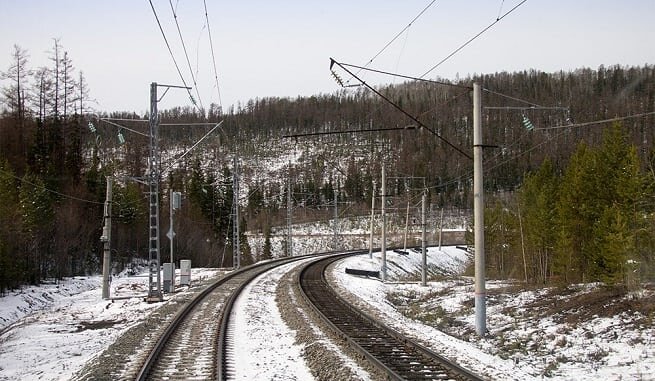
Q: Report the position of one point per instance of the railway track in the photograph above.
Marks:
(392, 353)
(193, 346)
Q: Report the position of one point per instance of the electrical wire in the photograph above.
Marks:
(396, 36)
(603, 121)
(211, 45)
(419, 79)
(512, 98)
(170, 51)
(51, 190)
(410, 116)
(472, 39)
(179, 32)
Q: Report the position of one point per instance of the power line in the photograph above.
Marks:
(170, 51)
(532, 104)
(51, 190)
(603, 121)
(363, 68)
(211, 45)
(472, 38)
(396, 106)
(193, 78)
(398, 35)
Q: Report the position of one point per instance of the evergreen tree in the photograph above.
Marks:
(37, 214)
(615, 242)
(577, 210)
(266, 252)
(9, 228)
(537, 199)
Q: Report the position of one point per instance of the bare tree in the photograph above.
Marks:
(42, 86)
(15, 95)
(55, 90)
(83, 94)
(68, 95)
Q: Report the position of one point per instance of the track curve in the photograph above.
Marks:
(193, 345)
(397, 356)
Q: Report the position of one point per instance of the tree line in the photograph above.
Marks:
(55, 158)
(590, 221)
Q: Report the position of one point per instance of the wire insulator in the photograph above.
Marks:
(337, 78)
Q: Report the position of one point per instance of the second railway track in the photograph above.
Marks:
(193, 345)
(395, 355)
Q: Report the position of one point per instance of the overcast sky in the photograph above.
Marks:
(282, 48)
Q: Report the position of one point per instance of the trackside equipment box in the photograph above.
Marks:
(185, 272)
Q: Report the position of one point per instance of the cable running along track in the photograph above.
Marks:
(397, 356)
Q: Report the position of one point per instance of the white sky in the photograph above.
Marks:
(282, 48)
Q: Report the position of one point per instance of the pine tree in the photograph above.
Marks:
(266, 252)
(576, 214)
(9, 228)
(614, 241)
(538, 198)
(37, 214)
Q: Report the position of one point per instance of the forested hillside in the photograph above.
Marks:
(53, 165)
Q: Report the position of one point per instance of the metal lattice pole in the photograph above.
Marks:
(154, 275)
(236, 259)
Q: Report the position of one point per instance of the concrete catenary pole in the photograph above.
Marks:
(440, 227)
(171, 232)
(384, 227)
(106, 240)
(370, 247)
(289, 236)
(478, 214)
(336, 217)
(423, 243)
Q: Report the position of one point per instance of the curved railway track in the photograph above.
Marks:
(196, 342)
(193, 346)
(392, 353)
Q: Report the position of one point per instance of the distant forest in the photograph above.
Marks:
(55, 156)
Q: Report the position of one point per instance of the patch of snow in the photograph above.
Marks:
(50, 331)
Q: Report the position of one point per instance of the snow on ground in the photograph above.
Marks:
(49, 332)
(523, 343)
(264, 347)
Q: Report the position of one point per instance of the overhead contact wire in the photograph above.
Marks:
(170, 51)
(396, 36)
(211, 45)
(186, 55)
(472, 39)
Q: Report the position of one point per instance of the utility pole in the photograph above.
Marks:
(440, 227)
(236, 259)
(336, 216)
(478, 214)
(384, 227)
(174, 201)
(406, 224)
(423, 250)
(370, 247)
(154, 288)
(289, 236)
(106, 240)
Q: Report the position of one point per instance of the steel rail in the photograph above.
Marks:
(392, 371)
(183, 313)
